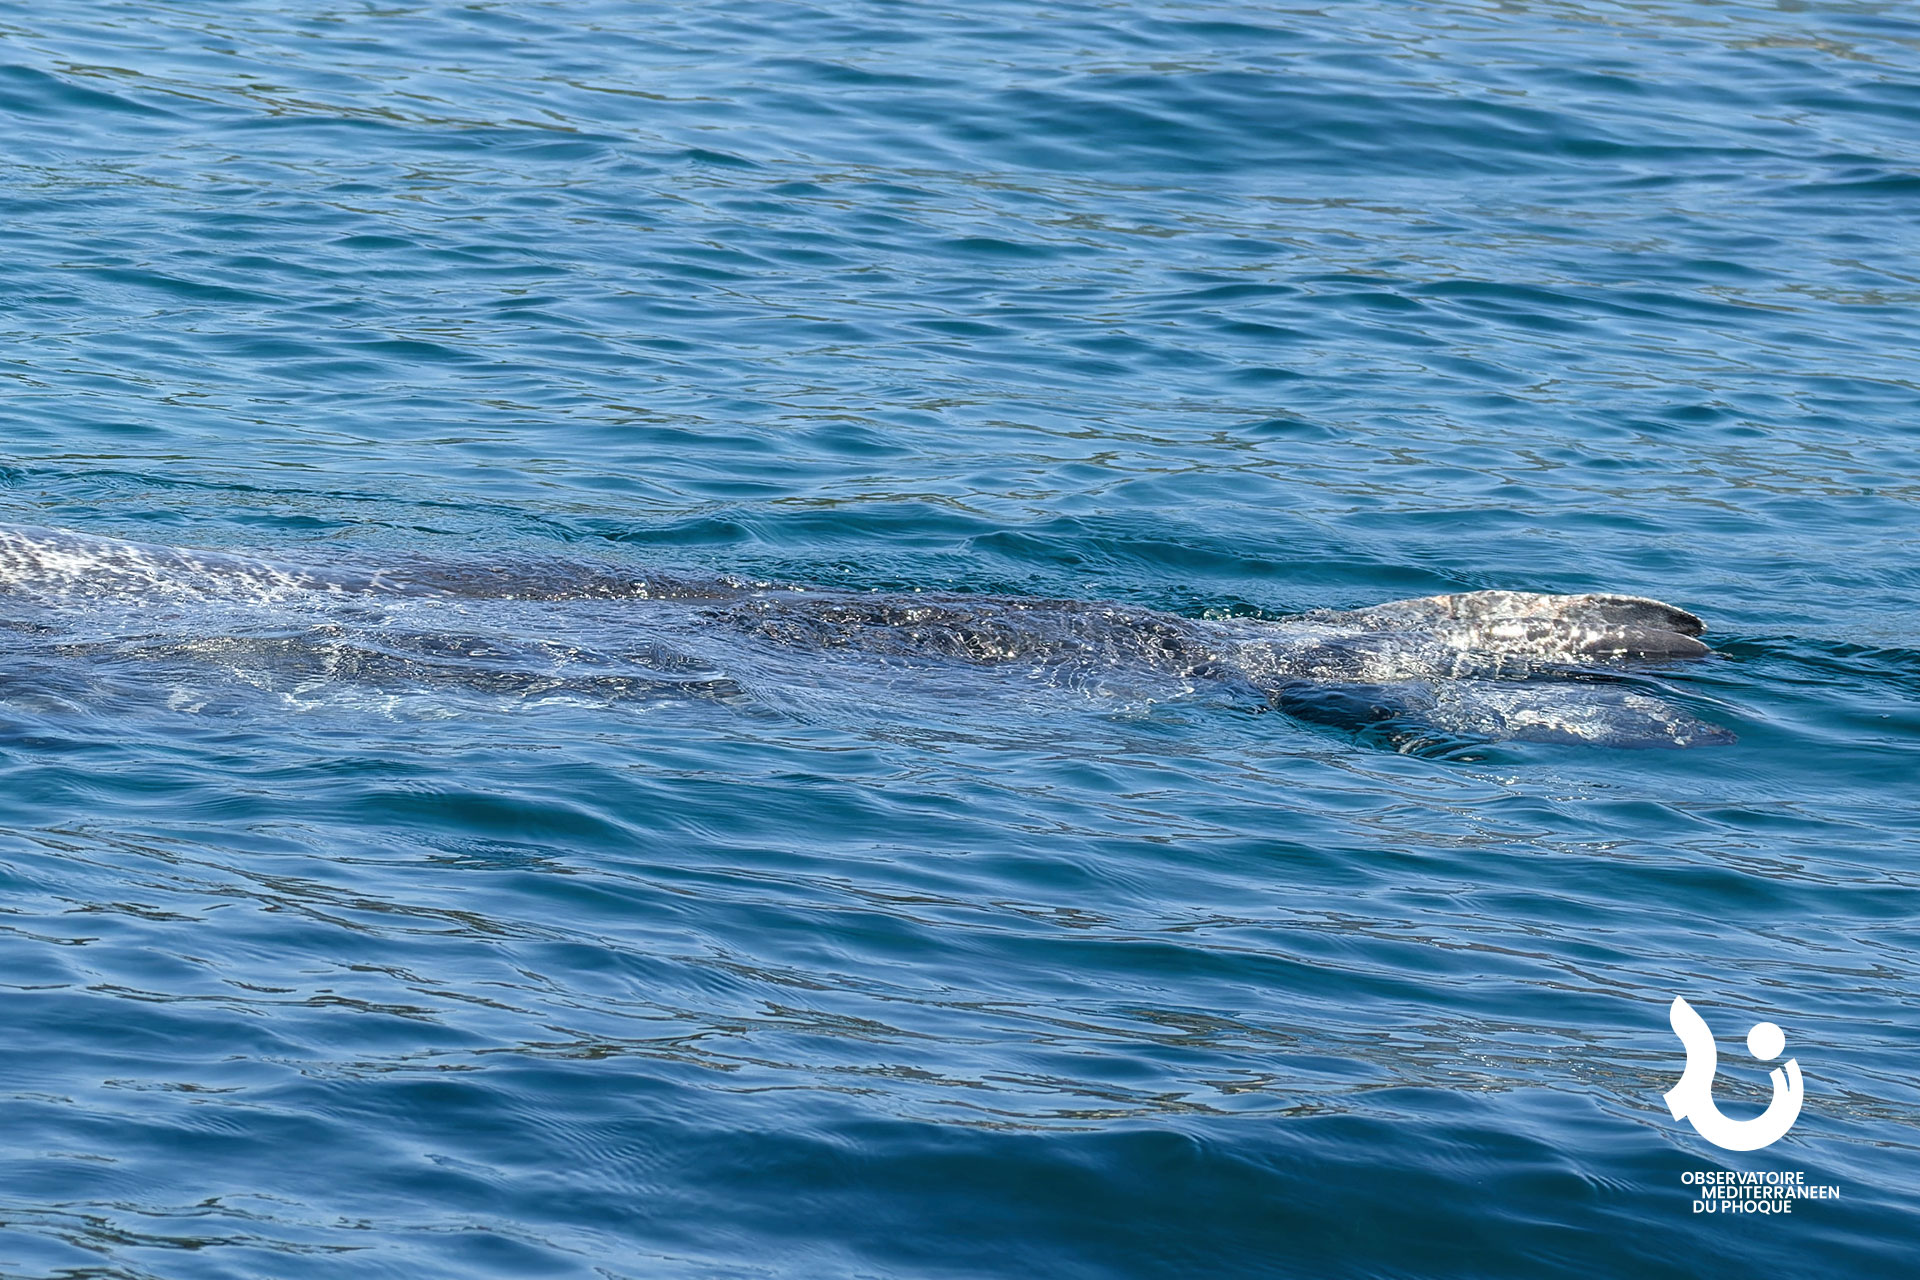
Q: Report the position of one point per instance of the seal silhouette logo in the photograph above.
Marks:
(1692, 1099)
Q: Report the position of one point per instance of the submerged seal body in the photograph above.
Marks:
(1475, 666)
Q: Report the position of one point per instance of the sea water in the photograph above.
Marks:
(333, 954)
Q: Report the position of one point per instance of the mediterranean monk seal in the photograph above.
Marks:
(1475, 666)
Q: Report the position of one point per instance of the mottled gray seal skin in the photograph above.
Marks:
(56, 565)
(1477, 666)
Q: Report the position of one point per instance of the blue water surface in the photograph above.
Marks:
(870, 969)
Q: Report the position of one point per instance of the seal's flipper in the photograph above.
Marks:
(1538, 625)
(1569, 712)
(1422, 717)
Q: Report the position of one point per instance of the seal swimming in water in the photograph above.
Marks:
(1479, 666)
